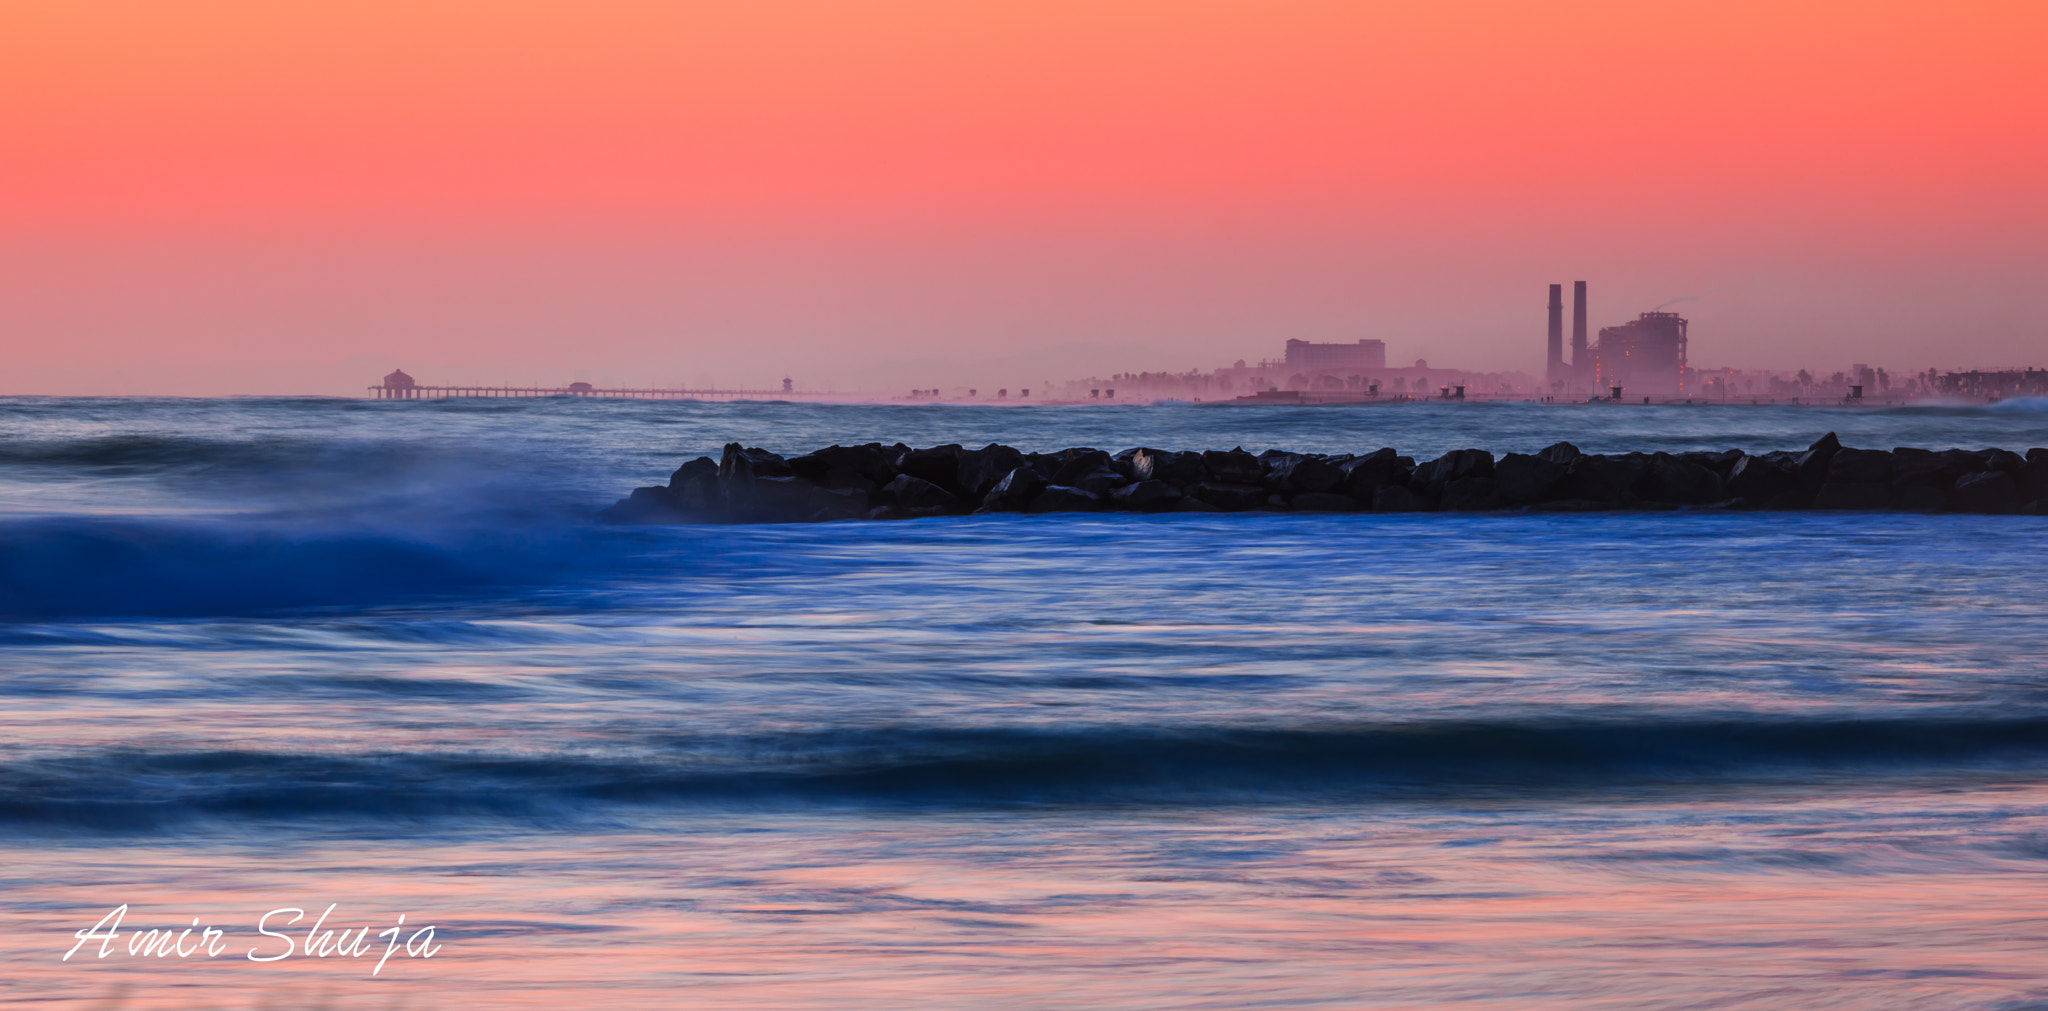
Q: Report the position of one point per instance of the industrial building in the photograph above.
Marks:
(1304, 356)
(1645, 356)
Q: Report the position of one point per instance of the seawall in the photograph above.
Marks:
(874, 481)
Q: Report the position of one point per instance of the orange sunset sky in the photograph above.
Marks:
(253, 196)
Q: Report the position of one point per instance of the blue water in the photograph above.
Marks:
(258, 653)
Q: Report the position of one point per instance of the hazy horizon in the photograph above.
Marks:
(230, 198)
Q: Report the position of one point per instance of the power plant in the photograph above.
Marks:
(1644, 356)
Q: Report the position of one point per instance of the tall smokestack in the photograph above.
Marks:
(1553, 367)
(1582, 363)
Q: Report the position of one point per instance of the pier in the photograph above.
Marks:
(399, 386)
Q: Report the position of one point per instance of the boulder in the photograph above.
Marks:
(911, 493)
(1813, 464)
(1788, 501)
(1098, 482)
(1235, 467)
(1075, 463)
(1145, 496)
(1059, 498)
(701, 469)
(1014, 492)
(1522, 478)
(1610, 479)
(1853, 494)
(1759, 479)
(645, 505)
(2033, 478)
(938, 466)
(828, 504)
(740, 464)
(862, 467)
(1394, 498)
(1455, 465)
(2003, 460)
(1919, 498)
(1324, 502)
(1181, 470)
(982, 468)
(1675, 481)
(695, 488)
(1363, 475)
(1471, 494)
(1560, 453)
(1305, 473)
(1230, 497)
(1860, 466)
(1922, 467)
(1991, 491)
(1191, 504)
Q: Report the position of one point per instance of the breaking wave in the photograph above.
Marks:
(142, 791)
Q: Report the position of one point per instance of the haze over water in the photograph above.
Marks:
(265, 653)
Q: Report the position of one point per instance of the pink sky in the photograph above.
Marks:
(227, 196)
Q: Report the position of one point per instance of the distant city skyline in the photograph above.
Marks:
(217, 198)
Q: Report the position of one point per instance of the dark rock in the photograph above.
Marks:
(1919, 498)
(2038, 507)
(1146, 496)
(1277, 504)
(1813, 464)
(2004, 461)
(1680, 482)
(1059, 498)
(1560, 453)
(1860, 466)
(1455, 465)
(696, 489)
(1015, 491)
(829, 504)
(1611, 479)
(1191, 504)
(1182, 470)
(1324, 502)
(1785, 501)
(1363, 475)
(1305, 473)
(1230, 497)
(741, 464)
(1100, 481)
(1394, 498)
(980, 469)
(1760, 478)
(1720, 463)
(1142, 462)
(1523, 479)
(1471, 494)
(1571, 505)
(862, 467)
(1075, 463)
(910, 492)
(1912, 467)
(1992, 491)
(1234, 467)
(2033, 478)
(938, 466)
(1853, 494)
(701, 469)
(886, 512)
(646, 505)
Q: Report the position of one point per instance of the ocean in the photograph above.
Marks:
(294, 654)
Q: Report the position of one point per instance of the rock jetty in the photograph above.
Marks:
(880, 482)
